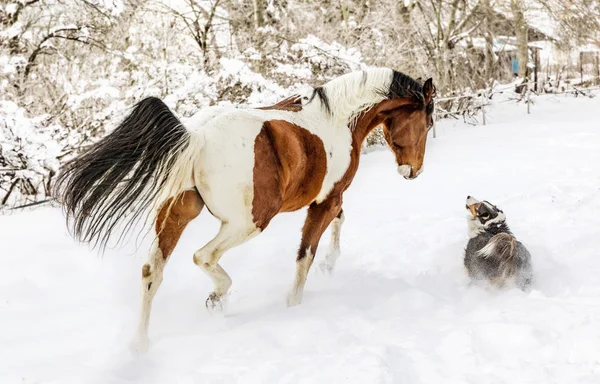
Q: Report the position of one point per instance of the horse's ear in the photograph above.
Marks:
(428, 90)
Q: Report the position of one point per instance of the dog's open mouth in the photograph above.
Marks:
(472, 205)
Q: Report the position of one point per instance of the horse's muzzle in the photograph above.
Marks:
(407, 171)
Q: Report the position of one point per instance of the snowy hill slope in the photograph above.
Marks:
(398, 309)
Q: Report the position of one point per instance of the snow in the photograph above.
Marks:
(116, 7)
(591, 47)
(497, 46)
(321, 52)
(539, 17)
(10, 9)
(397, 310)
(27, 142)
(14, 30)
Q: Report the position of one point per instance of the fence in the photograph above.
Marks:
(469, 106)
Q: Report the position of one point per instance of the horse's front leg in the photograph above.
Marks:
(318, 218)
(333, 253)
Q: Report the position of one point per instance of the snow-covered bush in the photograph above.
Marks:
(29, 155)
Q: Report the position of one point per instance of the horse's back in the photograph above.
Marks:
(203, 117)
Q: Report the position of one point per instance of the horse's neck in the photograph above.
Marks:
(355, 92)
(366, 122)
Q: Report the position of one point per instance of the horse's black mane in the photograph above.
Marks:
(403, 85)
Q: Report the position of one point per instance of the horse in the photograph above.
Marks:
(245, 165)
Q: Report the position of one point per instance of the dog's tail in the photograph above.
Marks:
(148, 158)
(502, 248)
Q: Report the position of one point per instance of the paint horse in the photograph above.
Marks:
(245, 166)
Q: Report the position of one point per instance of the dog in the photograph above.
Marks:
(493, 254)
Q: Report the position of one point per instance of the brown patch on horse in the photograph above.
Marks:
(291, 104)
(174, 216)
(317, 220)
(289, 167)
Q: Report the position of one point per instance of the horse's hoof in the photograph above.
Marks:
(326, 268)
(139, 346)
(214, 302)
(293, 299)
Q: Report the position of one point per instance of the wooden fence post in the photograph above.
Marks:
(483, 107)
(528, 97)
(581, 67)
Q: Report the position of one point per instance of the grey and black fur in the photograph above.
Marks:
(493, 254)
(122, 174)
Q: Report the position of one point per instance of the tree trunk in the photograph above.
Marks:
(597, 68)
(259, 35)
(489, 45)
(259, 13)
(521, 30)
(536, 63)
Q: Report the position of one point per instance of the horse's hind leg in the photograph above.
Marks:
(230, 235)
(170, 223)
(333, 253)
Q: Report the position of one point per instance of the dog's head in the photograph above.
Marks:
(482, 215)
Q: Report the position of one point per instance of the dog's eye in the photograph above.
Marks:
(485, 216)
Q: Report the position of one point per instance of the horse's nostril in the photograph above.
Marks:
(405, 170)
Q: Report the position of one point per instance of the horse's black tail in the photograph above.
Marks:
(148, 157)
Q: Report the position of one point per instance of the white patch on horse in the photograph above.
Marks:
(404, 170)
(152, 276)
(333, 253)
(352, 93)
(297, 291)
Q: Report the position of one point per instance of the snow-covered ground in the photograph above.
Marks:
(397, 310)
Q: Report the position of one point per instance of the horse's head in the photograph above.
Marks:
(406, 122)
